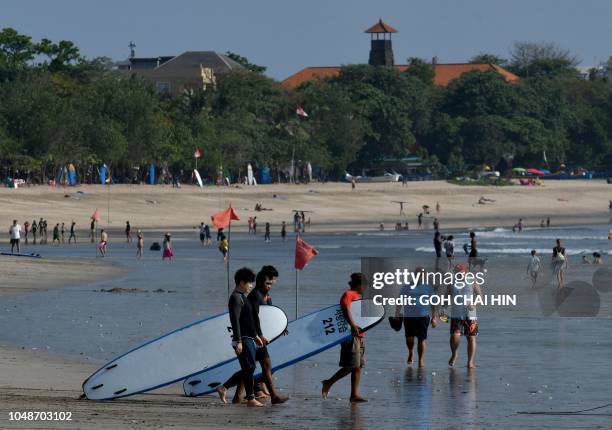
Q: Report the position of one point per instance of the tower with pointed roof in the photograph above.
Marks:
(381, 51)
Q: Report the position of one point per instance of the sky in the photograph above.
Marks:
(286, 36)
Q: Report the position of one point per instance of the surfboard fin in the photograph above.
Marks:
(97, 386)
(112, 366)
(120, 391)
(196, 382)
(214, 384)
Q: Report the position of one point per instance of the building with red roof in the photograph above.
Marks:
(381, 54)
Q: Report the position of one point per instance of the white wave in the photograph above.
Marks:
(493, 234)
(526, 251)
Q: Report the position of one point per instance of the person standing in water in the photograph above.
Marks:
(267, 233)
(72, 233)
(244, 327)
(559, 262)
(449, 250)
(167, 247)
(63, 233)
(534, 267)
(92, 230)
(473, 255)
(56, 234)
(128, 232)
(34, 230)
(139, 244)
(224, 247)
(284, 231)
(202, 234)
(103, 243)
(352, 351)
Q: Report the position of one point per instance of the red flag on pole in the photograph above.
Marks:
(96, 216)
(301, 112)
(303, 253)
(197, 153)
(222, 219)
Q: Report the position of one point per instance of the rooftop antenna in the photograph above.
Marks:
(132, 47)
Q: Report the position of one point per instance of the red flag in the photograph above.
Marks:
(96, 215)
(197, 153)
(222, 219)
(303, 253)
(301, 112)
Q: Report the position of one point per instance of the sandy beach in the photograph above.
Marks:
(334, 206)
(35, 380)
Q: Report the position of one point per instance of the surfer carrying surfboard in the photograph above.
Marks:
(246, 330)
(264, 386)
(352, 351)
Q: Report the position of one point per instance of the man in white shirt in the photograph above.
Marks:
(15, 233)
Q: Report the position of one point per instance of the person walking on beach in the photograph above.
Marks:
(264, 387)
(352, 351)
(417, 317)
(560, 263)
(207, 234)
(267, 238)
(519, 225)
(139, 244)
(245, 335)
(220, 234)
(534, 267)
(547, 222)
(167, 247)
(436, 224)
(250, 224)
(26, 230)
(103, 242)
(437, 207)
(449, 250)
(420, 221)
(463, 316)
(34, 230)
(63, 232)
(284, 231)
(72, 232)
(15, 236)
(56, 235)
(254, 225)
(128, 232)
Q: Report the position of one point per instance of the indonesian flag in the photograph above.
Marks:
(224, 218)
(303, 253)
(301, 112)
(197, 153)
(96, 215)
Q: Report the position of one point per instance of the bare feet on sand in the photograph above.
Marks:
(222, 391)
(358, 399)
(325, 388)
(254, 404)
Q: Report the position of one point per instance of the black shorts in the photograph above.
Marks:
(14, 242)
(261, 354)
(202, 237)
(352, 353)
(416, 327)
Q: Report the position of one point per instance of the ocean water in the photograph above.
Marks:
(529, 358)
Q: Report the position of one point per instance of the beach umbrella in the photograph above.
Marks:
(519, 170)
(535, 172)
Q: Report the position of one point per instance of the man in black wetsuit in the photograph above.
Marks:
(246, 332)
(266, 278)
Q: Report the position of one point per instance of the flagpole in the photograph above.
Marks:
(297, 275)
(229, 234)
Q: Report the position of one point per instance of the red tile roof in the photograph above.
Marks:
(381, 27)
(445, 73)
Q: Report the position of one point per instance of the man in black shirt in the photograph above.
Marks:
(266, 278)
(246, 331)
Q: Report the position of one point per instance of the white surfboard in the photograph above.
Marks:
(308, 335)
(175, 356)
(250, 178)
(198, 178)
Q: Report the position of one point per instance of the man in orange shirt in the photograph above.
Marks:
(352, 351)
